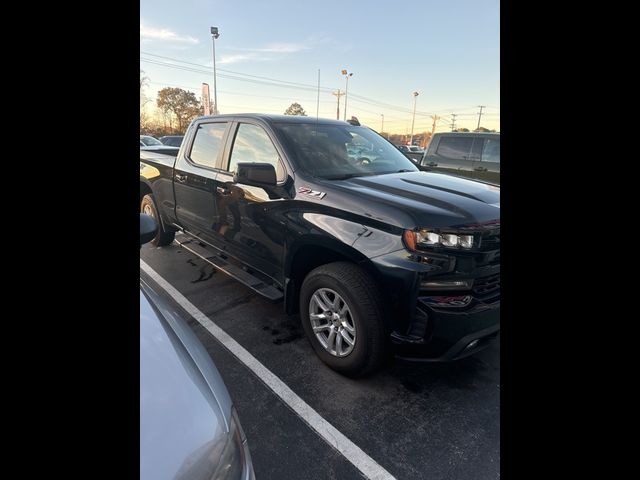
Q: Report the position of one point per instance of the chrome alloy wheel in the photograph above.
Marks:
(148, 210)
(332, 322)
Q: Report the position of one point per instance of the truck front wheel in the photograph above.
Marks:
(148, 206)
(342, 315)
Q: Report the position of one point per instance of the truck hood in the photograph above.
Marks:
(414, 199)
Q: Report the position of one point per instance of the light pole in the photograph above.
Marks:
(415, 97)
(382, 128)
(346, 92)
(214, 35)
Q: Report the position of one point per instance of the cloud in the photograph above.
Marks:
(275, 48)
(242, 57)
(283, 48)
(150, 33)
(258, 54)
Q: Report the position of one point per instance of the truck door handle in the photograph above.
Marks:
(180, 178)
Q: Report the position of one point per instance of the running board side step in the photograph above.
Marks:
(235, 272)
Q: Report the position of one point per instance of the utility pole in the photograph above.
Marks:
(338, 94)
(433, 127)
(415, 98)
(382, 127)
(453, 122)
(480, 115)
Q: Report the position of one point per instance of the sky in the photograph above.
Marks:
(447, 51)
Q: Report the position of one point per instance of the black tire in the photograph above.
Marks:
(163, 237)
(360, 292)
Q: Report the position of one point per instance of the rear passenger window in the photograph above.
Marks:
(491, 151)
(457, 148)
(476, 149)
(207, 144)
(252, 144)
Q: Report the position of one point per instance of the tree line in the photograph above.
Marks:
(178, 107)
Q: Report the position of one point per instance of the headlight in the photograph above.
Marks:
(235, 457)
(427, 238)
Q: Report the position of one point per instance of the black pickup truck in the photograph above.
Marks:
(376, 256)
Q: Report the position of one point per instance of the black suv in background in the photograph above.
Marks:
(470, 155)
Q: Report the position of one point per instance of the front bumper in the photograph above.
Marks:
(463, 327)
(442, 325)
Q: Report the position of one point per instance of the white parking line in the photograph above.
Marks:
(363, 462)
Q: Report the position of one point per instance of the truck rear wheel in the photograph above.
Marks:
(148, 206)
(342, 315)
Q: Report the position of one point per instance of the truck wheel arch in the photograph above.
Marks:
(145, 188)
(306, 256)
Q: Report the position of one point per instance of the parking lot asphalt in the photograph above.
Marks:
(418, 421)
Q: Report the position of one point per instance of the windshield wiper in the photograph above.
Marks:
(402, 170)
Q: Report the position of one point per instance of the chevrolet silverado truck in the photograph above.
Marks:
(376, 257)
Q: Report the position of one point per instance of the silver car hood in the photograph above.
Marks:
(185, 408)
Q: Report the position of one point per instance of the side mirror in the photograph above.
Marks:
(148, 228)
(256, 174)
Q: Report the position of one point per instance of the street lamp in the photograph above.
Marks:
(415, 98)
(214, 35)
(346, 92)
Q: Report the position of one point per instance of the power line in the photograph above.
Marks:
(295, 84)
(232, 77)
(277, 82)
(191, 87)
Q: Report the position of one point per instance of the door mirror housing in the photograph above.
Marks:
(256, 174)
(148, 228)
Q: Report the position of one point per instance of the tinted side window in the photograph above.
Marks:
(491, 151)
(455, 147)
(476, 149)
(207, 144)
(252, 144)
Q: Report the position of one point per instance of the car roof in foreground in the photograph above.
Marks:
(276, 118)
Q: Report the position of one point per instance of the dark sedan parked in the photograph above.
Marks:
(149, 143)
(172, 140)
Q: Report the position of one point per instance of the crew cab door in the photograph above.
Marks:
(455, 153)
(250, 223)
(490, 162)
(194, 178)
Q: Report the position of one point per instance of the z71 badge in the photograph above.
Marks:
(311, 193)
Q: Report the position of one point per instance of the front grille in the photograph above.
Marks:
(490, 243)
(487, 285)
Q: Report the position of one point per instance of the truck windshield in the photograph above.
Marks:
(342, 151)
